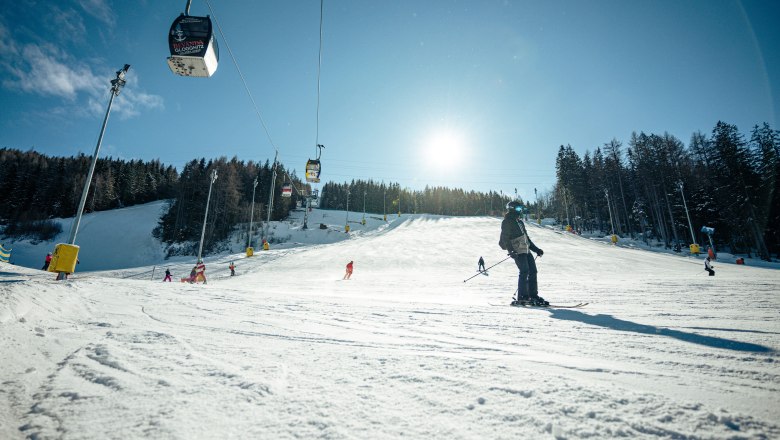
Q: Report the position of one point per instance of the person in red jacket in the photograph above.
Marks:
(48, 261)
(348, 275)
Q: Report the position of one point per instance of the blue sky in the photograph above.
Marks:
(473, 94)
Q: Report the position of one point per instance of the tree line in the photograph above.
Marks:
(35, 187)
(231, 201)
(381, 198)
(726, 181)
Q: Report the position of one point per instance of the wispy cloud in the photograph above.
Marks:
(67, 22)
(45, 70)
(100, 10)
(132, 100)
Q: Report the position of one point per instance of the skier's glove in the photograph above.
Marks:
(513, 254)
(540, 253)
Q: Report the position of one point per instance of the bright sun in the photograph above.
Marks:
(444, 150)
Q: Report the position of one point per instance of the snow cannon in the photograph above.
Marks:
(64, 258)
(614, 239)
(266, 246)
(695, 249)
(250, 251)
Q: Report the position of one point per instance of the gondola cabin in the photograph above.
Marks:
(194, 50)
(313, 170)
(286, 190)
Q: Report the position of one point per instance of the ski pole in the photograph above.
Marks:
(479, 273)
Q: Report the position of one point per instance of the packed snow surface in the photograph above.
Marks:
(287, 349)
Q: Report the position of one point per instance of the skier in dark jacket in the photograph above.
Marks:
(708, 266)
(514, 239)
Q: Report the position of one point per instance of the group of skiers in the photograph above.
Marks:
(198, 273)
(514, 239)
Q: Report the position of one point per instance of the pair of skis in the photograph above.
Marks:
(529, 306)
(549, 306)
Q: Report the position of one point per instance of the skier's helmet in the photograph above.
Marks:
(514, 206)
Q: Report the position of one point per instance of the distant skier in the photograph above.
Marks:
(481, 265)
(232, 268)
(348, 275)
(708, 266)
(200, 269)
(514, 238)
(47, 262)
(167, 276)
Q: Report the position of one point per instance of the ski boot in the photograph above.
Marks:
(539, 301)
(524, 301)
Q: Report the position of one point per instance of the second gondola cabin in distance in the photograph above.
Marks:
(194, 50)
(313, 167)
(313, 170)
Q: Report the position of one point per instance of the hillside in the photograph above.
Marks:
(286, 349)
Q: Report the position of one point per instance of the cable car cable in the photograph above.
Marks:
(252, 99)
(241, 75)
(319, 70)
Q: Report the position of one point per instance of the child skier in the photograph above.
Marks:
(193, 276)
(47, 262)
(167, 276)
(348, 275)
(481, 265)
(200, 268)
(708, 267)
(232, 268)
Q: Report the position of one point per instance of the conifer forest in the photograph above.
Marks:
(724, 180)
(651, 187)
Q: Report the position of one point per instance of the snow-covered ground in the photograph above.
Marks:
(286, 349)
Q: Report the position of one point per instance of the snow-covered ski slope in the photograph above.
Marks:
(286, 349)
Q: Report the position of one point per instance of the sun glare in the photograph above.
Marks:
(444, 149)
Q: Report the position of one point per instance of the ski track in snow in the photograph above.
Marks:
(405, 348)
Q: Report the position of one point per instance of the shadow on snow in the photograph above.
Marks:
(609, 321)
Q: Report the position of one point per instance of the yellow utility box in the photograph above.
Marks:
(568, 228)
(64, 258)
(695, 249)
(266, 246)
(250, 251)
(614, 239)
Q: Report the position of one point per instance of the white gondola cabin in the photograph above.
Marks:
(194, 50)
(286, 190)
